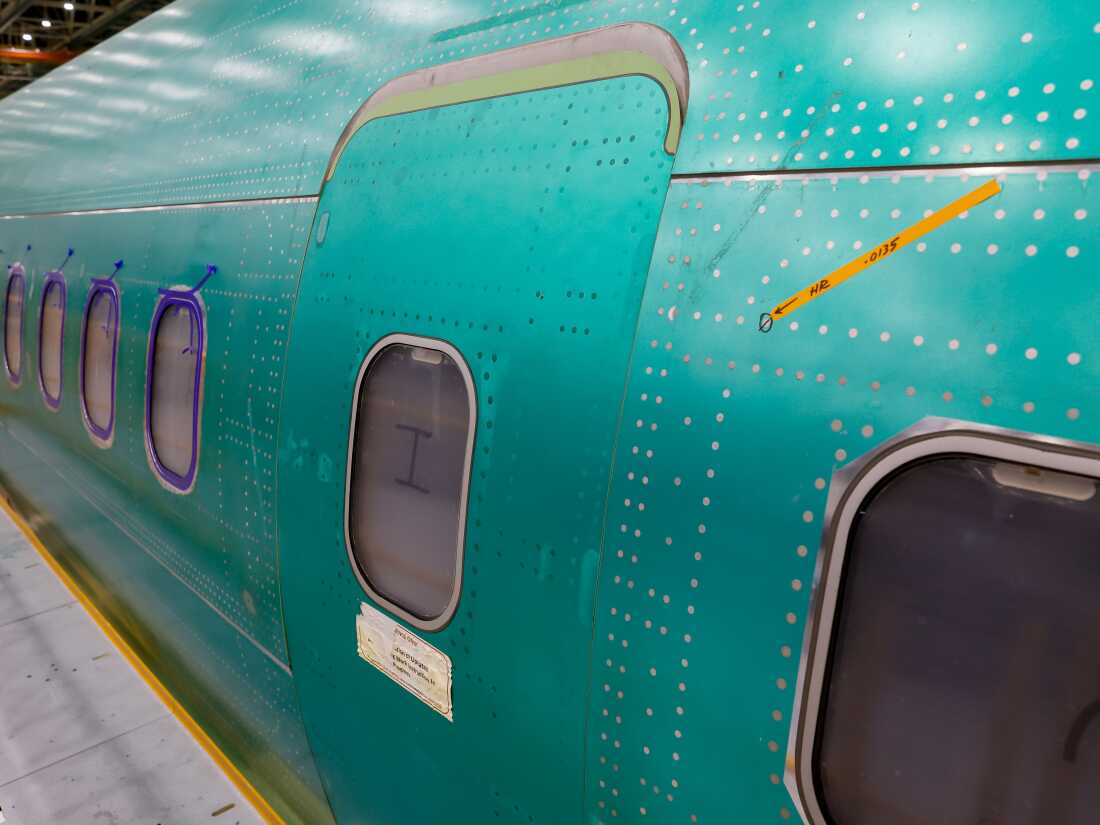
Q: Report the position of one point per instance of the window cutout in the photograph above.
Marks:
(51, 338)
(173, 388)
(409, 467)
(962, 683)
(99, 360)
(14, 299)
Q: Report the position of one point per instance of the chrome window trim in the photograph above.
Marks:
(448, 349)
(849, 488)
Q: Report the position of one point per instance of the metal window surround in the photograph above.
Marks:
(101, 436)
(443, 619)
(177, 296)
(17, 278)
(54, 279)
(849, 488)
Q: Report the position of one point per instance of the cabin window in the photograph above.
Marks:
(51, 338)
(13, 324)
(173, 394)
(99, 360)
(962, 683)
(409, 466)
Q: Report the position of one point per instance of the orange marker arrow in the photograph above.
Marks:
(879, 253)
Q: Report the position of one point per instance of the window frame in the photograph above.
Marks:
(176, 296)
(51, 278)
(101, 436)
(850, 487)
(448, 349)
(16, 271)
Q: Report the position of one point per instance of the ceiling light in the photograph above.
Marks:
(46, 24)
(69, 7)
(26, 36)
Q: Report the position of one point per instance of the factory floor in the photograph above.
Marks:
(83, 739)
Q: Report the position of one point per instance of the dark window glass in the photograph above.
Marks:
(964, 682)
(13, 326)
(172, 411)
(51, 338)
(98, 362)
(408, 472)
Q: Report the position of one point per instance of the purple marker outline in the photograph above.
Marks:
(180, 297)
(56, 279)
(17, 271)
(110, 288)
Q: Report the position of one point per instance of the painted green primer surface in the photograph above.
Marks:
(520, 231)
(516, 230)
(190, 580)
(208, 100)
(730, 437)
(227, 523)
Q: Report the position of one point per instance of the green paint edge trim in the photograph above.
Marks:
(604, 66)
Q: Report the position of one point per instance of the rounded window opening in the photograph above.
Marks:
(173, 389)
(14, 298)
(99, 361)
(51, 339)
(953, 678)
(412, 436)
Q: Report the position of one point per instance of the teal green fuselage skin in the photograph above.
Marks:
(650, 472)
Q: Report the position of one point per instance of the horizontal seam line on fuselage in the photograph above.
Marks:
(285, 666)
(836, 171)
(163, 207)
(1011, 167)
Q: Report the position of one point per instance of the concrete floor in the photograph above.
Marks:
(83, 740)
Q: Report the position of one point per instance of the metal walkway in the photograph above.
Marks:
(83, 740)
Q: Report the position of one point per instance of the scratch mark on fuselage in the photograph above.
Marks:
(758, 201)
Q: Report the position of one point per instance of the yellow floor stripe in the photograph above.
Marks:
(879, 253)
(228, 768)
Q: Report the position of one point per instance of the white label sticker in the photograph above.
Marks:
(414, 664)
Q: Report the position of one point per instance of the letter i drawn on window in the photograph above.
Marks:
(417, 433)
